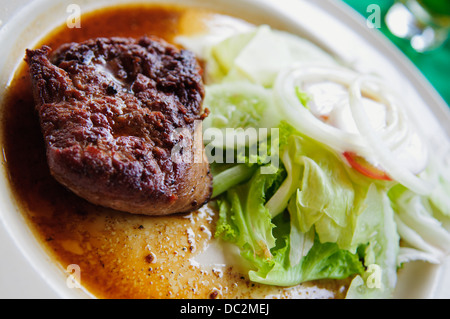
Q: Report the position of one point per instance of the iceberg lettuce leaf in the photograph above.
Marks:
(323, 261)
(419, 223)
(316, 233)
(313, 217)
(320, 192)
(376, 225)
(259, 55)
(243, 218)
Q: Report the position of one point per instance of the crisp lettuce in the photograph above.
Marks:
(259, 55)
(240, 114)
(230, 177)
(324, 195)
(321, 192)
(323, 261)
(266, 243)
(320, 227)
(420, 226)
(377, 227)
(440, 197)
(313, 216)
(244, 220)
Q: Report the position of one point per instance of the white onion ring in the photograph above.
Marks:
(381, 151)
(368, 143)
(303, 120)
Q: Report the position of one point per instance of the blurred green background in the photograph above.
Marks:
(435, 65)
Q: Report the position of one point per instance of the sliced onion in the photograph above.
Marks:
(302, 119)
(374, 146)
(381, 151)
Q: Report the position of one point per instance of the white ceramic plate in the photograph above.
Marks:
(28, 272)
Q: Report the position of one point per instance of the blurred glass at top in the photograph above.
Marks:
(425, 23)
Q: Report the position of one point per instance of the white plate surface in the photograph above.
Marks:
(28, 272)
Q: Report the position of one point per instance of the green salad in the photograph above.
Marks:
(319, 172)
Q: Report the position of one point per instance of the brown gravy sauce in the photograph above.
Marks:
(119, 255)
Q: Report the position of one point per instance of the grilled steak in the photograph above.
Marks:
(112, 112)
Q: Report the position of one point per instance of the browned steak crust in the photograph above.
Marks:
(110, 111)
